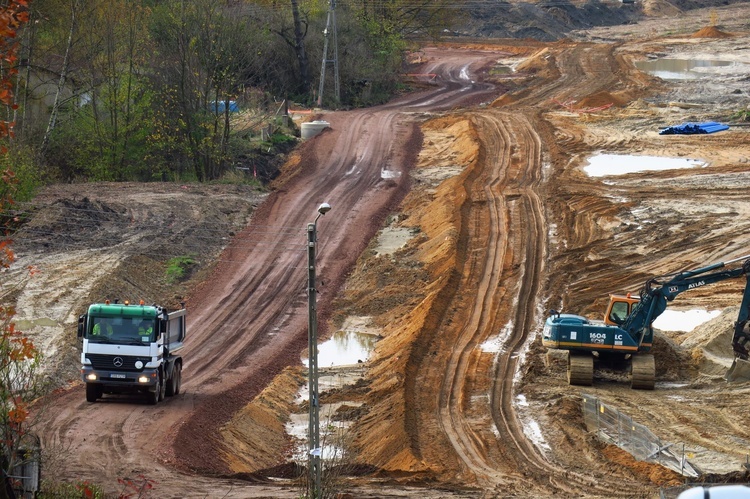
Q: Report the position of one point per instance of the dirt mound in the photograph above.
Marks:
(601, 99)
(655, 472)
(715, 336)
(660, 8)
(710, 344)
(710, 32)
(453, 142)
(670, 358)
(254, 438)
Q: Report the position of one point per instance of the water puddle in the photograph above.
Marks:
(602, 165)
(681, 69)
(334, 434)
(352, 345)
(346, 348)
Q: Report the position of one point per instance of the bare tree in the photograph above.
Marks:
(74, 9)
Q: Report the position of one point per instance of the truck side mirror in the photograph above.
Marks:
(81, 325)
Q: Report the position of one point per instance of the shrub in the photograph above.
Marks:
(178, 266)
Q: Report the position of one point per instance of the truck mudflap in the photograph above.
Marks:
(740, 371)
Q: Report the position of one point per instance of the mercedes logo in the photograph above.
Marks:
(117, 361)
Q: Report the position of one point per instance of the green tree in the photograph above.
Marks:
(119, 99)
(107, 118)
(135, 93)
(291, 25)
(207, 52)
(410, 18)
(75, 7)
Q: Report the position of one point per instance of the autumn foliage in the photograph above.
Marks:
(18, 355)
(14, 15)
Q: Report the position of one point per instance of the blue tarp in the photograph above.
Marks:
(220, 106)
(693, 128)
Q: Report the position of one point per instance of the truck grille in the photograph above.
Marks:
(110, 362)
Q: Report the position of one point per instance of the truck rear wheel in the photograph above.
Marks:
(580, 368)
(173, 387)
(642, 371)
(163, 386)
(93, 392)
(177, 378)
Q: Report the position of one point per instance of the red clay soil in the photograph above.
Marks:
(459, 394)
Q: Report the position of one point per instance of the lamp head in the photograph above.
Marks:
(324, 208)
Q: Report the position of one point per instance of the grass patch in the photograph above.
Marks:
(500, 70)
(178, 268)
(65, 490)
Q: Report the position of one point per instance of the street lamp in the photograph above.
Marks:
(314, 450)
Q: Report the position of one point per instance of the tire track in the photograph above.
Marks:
(510, 183)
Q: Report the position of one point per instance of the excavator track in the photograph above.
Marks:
(580, 368)
(643, 372)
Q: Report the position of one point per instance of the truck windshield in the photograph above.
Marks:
(126, 331)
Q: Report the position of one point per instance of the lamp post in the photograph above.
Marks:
(314, 450)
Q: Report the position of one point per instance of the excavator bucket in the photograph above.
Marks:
(740, 371)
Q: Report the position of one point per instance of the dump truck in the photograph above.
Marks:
(131, 349)
(624, 338)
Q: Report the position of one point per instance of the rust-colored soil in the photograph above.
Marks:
(711, 32)
(484, 167)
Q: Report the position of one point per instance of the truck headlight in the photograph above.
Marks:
(91, 377)
(143, 379)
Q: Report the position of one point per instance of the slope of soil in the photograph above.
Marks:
(459, 397)
(549, 21)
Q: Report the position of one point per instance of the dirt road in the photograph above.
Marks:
(249, 319)
(459, 398)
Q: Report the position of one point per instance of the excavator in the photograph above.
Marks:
(625, 336)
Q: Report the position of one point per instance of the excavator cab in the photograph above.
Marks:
(620, 307)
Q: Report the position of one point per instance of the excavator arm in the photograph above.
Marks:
(657, 292)
(742, 326)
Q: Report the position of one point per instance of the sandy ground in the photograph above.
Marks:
(484, 169)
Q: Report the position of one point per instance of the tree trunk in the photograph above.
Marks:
(299, 47)
(63, 77)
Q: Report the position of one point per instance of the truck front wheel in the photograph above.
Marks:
(93, 392)
(155, 396)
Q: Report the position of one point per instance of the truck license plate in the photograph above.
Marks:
(114, 375)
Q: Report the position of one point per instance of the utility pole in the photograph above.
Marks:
(330, 31)
(314, 451)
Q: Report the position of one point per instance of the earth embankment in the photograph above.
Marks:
(459, 395)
